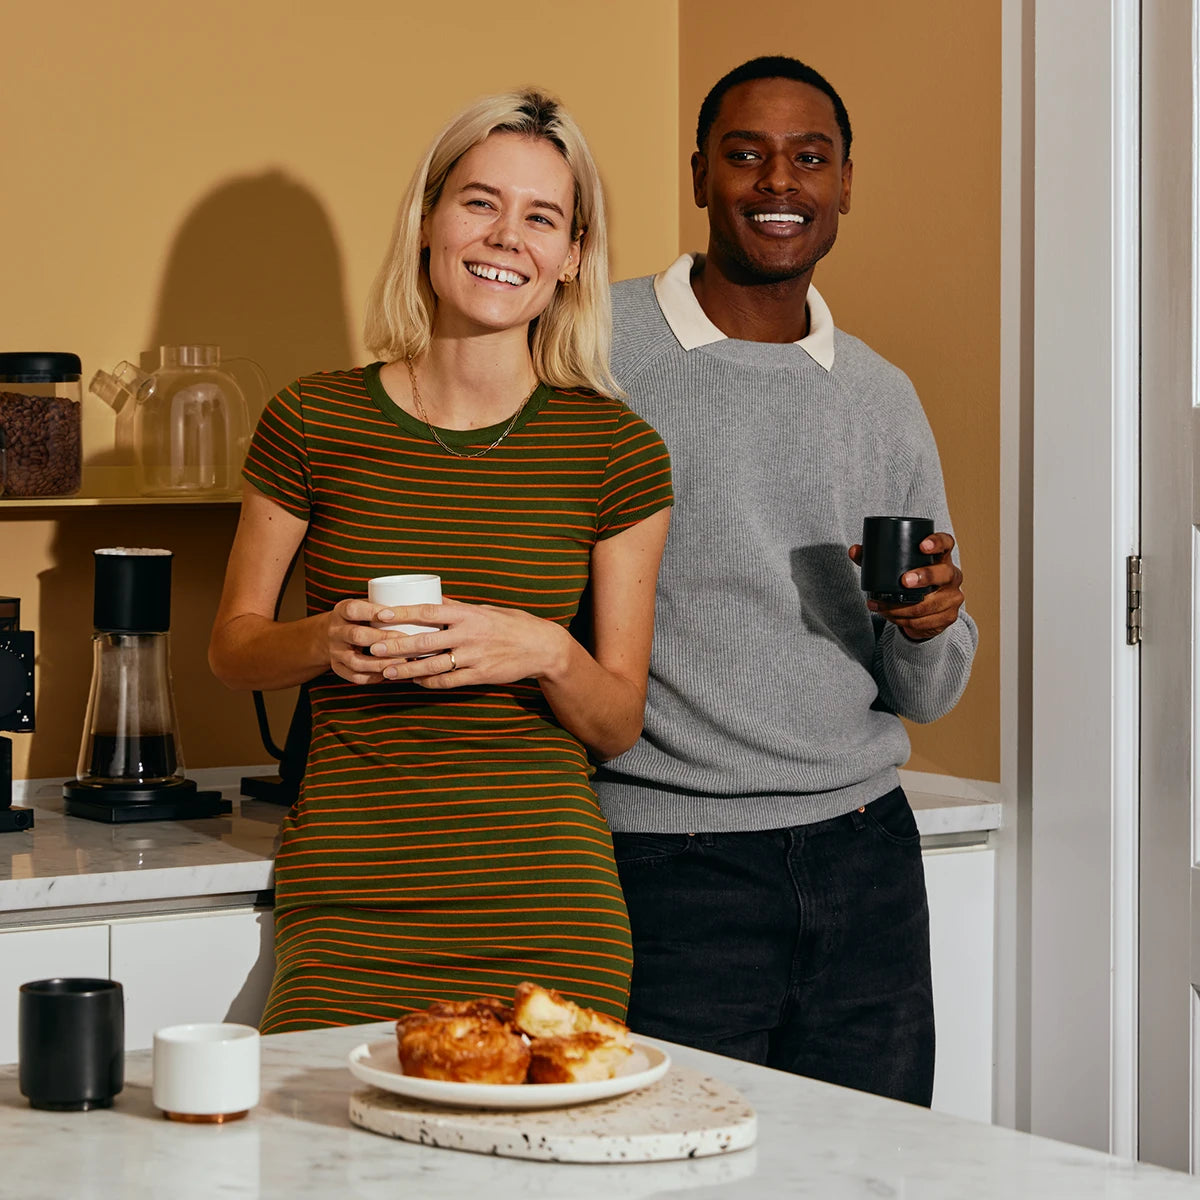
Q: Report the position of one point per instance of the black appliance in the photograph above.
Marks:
(16, 705)
(131, 760)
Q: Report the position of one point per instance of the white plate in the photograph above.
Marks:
(377, 1063)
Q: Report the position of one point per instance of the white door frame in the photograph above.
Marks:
(1170, 892)
(1084, 738)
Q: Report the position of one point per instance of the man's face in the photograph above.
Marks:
(773, 179)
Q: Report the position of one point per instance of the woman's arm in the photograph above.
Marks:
(600, 699)
(249, 649)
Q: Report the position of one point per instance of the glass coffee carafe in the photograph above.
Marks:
(130, 759)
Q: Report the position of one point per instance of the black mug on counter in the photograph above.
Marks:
(891, 546)
(71, 1043)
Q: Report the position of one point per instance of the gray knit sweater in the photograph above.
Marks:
(772, 686)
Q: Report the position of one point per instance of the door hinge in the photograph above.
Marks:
(1133, 599)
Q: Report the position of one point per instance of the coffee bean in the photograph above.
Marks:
(40, 446)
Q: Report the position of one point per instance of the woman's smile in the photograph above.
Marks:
(502, 274)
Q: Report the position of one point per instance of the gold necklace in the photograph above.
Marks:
(437, 437)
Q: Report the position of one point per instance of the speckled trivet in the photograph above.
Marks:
(683, 1115)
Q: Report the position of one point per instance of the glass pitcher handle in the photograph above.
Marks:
(260, 375)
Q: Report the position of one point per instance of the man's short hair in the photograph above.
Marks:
(770, 66)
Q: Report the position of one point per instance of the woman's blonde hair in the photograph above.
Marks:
(570, 340)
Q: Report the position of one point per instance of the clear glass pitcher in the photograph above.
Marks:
(191, 426)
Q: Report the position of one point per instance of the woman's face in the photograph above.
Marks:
(499, 238)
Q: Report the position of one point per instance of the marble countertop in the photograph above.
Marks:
(66, 862)
(813, 1140)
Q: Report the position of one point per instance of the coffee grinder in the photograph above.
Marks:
(130, 760)
(16, 705)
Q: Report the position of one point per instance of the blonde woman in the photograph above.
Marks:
(447, 842)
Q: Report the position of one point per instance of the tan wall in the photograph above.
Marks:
(228, 172)
(916, 270)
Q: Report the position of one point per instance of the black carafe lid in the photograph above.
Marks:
(133, 590)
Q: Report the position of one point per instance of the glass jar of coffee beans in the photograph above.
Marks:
(40, 453)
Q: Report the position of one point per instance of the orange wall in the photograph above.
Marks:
(916, 269)
(229, 172)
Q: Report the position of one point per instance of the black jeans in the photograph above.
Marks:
(806, 949)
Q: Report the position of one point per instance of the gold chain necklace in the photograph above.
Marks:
(437, 437)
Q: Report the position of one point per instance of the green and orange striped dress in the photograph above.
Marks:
(447, 845)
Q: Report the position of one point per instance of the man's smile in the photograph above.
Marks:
(780, 224)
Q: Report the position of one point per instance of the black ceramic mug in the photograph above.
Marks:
(891, 547)
(71, 1042)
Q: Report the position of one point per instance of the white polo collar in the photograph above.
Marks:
(691, 326)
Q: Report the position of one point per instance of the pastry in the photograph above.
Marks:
(484, 1006)
(541, 1037)
(461, 1048)
(542, 1012)
(577, 1058)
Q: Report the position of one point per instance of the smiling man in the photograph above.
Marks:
(769, 858)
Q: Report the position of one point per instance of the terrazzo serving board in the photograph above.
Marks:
(683, 1115)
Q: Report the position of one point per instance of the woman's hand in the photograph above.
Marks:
(349, 636)
(479, 644)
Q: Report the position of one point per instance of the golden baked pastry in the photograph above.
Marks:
(542, 1037)
(544, 1013)
(484, 1006)
(576, 1058)
(461, 1048)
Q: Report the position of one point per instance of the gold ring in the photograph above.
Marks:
(453, 664)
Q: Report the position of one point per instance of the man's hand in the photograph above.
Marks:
(939, 610)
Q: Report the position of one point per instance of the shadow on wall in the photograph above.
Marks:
(256, 269)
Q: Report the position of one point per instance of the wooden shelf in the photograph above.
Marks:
(13, 503)
(110, 485)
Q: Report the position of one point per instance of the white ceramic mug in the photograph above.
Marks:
(399, 591)
(206, 1072)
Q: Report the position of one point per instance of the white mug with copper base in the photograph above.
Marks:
(206, 1073)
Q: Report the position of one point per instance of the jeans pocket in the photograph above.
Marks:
(646, 849)
(891, 817)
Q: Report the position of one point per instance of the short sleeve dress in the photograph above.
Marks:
(447, 844)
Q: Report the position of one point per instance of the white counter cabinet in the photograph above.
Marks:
(961, 885)
(174, 968)
(26, 954)
(181, 968)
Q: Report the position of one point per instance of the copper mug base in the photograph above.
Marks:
(206, 1118)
